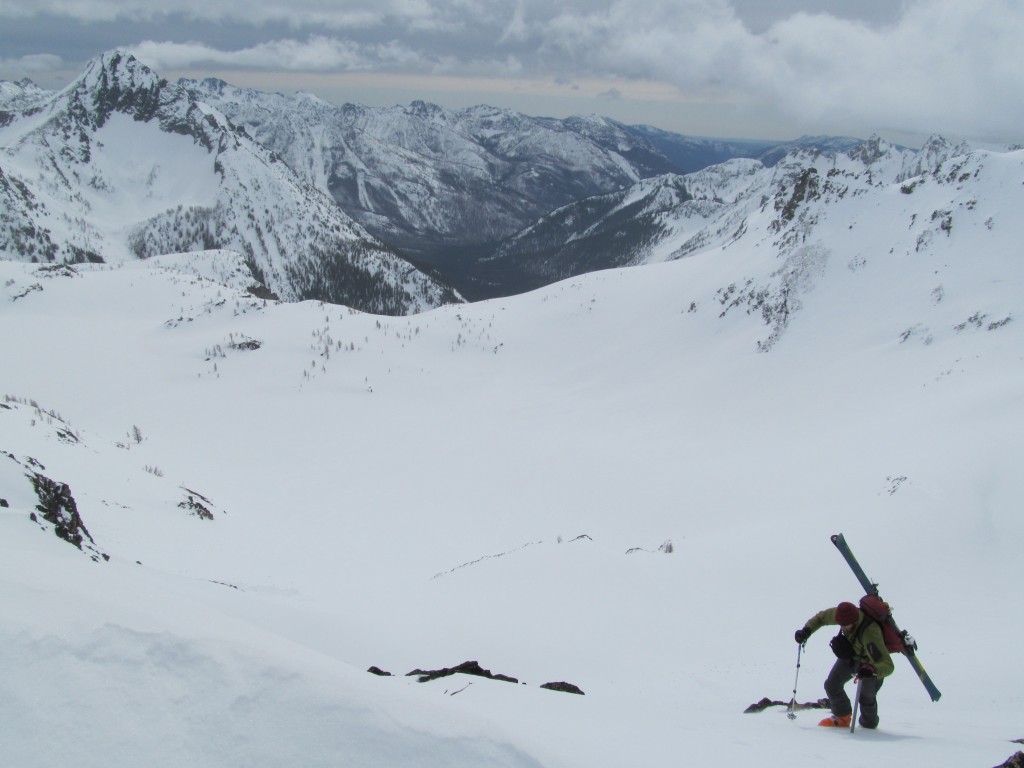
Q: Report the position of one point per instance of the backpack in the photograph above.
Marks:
(876, 608)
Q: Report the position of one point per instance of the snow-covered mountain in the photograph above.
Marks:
(85, 177)
(795, 209)
(625, 481)
(20, 95)
(421, 176)
(122, 164)
(445, 186)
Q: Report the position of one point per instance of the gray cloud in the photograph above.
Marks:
(325, 14)
(316, 53)
(943, 65)
(916, 66)
(32, 64)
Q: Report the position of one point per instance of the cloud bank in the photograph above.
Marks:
(937, 65)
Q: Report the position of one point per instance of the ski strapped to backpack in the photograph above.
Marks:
(896, 640)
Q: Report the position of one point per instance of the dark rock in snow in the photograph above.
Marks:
(1014, 761)
(474, 668)
(57, 506)
(564, 687)
(247, 344)
(466, 668)
(764, 703)
(197, 504)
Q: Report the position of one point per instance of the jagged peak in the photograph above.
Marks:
(20, 94)
(594, 119)
(116, 81)
(487, 110)
(209, 84)
(594, 125)
(313, 99)
(871, 150)
(933, 153)
(25, 84)
(117, 67)
(937, 145)
(422, 108)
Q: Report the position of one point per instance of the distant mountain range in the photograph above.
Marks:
(395, 210)
(446, 187)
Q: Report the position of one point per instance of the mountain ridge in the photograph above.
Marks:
(445, 187)
(487, 199)
(780, 205)
(400, 162)
(123, 187)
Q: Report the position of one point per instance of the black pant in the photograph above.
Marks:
(842, 672)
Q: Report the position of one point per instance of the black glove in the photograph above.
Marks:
(865, 672)
(801, 635)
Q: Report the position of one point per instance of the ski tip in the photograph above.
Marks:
(836, 537)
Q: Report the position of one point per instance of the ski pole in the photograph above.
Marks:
(791, 714)
(856, 706)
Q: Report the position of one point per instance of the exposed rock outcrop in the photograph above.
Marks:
(1014, 761)
(57, 506)
(563, 687)
(474, 668)
(465, 668)
(764, 703)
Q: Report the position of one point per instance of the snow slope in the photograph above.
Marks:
(498, 482)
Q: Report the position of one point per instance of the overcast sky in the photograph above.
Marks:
(733, 68)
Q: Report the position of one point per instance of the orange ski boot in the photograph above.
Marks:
(833, 721)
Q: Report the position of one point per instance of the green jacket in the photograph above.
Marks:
(865, 637)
